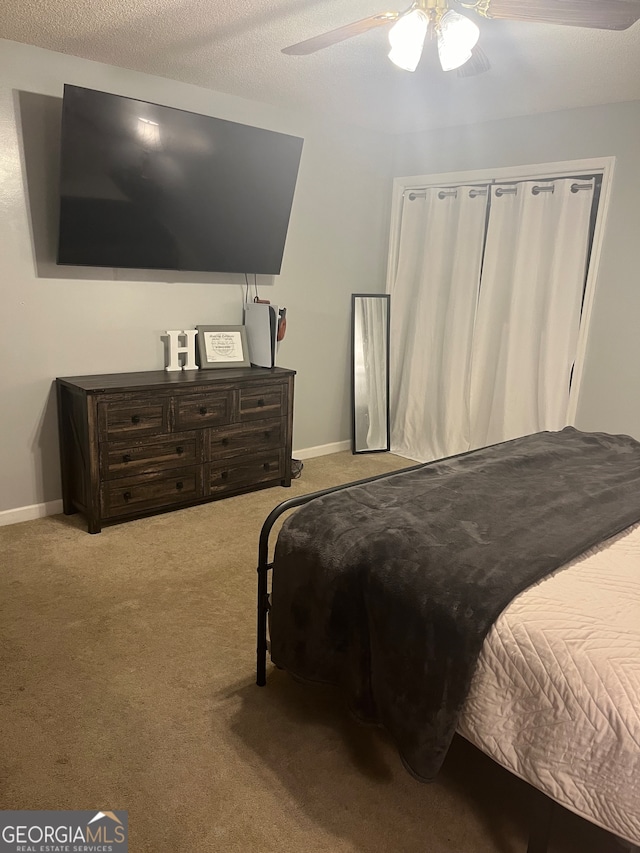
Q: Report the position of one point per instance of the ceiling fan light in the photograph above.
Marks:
(457, 36)
(406, 38)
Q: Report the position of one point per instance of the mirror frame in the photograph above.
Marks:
(387, 298)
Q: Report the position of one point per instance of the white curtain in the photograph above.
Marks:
(528, 317)
(433, 303)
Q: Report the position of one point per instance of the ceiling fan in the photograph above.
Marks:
(457, 35)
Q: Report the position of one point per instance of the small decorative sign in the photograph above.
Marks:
(222, 346)
(175, 349)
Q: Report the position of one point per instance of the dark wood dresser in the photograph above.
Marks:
(133, 444)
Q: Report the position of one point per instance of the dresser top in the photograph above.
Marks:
(149, 379)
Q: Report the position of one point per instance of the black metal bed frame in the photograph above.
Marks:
(543, 807)
(264, 566)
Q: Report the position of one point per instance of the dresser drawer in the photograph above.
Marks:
(125, 458)
(245, 439)
(265, 403)
(151, 491)
(235, 474)
(203, 410)
(144, 417)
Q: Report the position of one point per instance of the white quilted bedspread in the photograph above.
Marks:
(556, 694)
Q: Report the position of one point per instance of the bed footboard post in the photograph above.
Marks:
(263, 609)
(542, 809)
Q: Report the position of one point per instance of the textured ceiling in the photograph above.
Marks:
(235, 48)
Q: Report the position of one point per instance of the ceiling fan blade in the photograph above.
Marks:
(341, 33)
(599, 14)
(478, 64)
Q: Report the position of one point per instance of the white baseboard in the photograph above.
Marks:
(322, 450)
(28, 513)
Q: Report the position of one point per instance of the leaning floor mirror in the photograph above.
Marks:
(370, 372)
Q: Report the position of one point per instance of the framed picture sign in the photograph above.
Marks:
(222, 346)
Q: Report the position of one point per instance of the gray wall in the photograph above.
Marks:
(61, 322)
(66, 322)
(610, 393)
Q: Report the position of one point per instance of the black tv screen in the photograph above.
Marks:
(152, 187)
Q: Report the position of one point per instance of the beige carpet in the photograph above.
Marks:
(128, 683)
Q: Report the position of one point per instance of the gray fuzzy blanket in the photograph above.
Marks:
(388, 589)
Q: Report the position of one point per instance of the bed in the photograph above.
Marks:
(496, 594)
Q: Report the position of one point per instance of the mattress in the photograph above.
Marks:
(555, 696)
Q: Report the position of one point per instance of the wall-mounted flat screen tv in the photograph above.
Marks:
(152, 187)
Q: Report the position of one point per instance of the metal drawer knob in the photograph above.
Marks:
(267, 434)
(179, 450)
(203, 410)
(224, 442)
(179, 485)
(127, 496)
(261, 403)
(135, 419)
(266, 466)
(126, 458)
(224, 475)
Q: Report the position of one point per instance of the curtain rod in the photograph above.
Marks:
(444, 193)
(412, 195)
